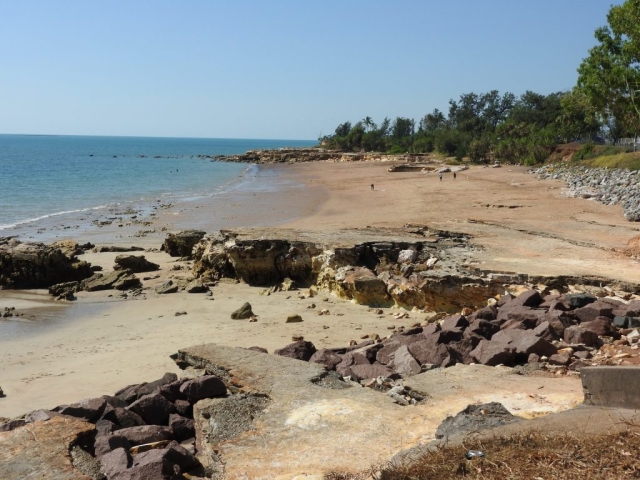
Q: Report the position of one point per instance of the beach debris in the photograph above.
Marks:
(293, 318)
(265, 292)
(471, 454)
(167, 287)
(2, 393)
(243, 312)
(178, 314)
(297, 338)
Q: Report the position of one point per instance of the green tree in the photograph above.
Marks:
(610, 75)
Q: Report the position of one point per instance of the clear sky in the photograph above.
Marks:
(288, 69)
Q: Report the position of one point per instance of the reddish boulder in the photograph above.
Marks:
(89, 409)
(594, 310)
(530, 298)
(525, 343)
(106, 443)
(404, 363)
(183, 428)
(363, 372)
(385, 354)
(299, 350)
(455, 322)
(207, 386)
(327, 358)
(154, 409)
(562, 358)
(430, 352)
(123, 418)
(115, 462)
(482, 328)
(579, 334)
(146, 434)
(493, 353)
(601, 326)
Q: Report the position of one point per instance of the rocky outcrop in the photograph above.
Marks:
(36, 265)
(604, 185)
(475, 418)
(119, 280)
(299, 155)
(135, 263)
(411, 267)
(181, 244)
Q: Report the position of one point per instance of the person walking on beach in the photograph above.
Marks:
(454, 175)
(440, 176)
(372, 188)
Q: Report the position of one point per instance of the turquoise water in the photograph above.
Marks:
(48, 176)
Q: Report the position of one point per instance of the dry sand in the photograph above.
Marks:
(101, 343)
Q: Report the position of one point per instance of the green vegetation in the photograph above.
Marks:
(526, 129)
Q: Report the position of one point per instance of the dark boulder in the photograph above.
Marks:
(89, 409)
(167, 287)
(153, 408)
(601, 326)
(364, 372)
(183, 428)
(207, 386)
(483, 328)
(594, 310)
(123, 418)
(243, 312)
(299, 350)
(327, 358)
(579, 300)
(493, 353)
(106, 443)
(580, 335)
(135, 263)
(525, 343)
(404, 363)
(455, 322)
(146, 434)
(181, 244)
(119, 280)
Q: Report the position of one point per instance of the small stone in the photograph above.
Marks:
(297, 338)
(243, 312)
(294, 318)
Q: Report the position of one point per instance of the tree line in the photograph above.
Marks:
(525, 129)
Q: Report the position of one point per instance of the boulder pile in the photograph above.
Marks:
(142, 431)
(605, 185)
(557, 331)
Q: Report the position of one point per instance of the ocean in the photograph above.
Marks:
(45, 178)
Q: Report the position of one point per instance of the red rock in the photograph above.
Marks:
(601, 326)
(525, 342)
(562, 358)
(428, 351)
(115, 462)
(579, 334)
(183, 428)
(327, 358)
(146, 434)
(385, 354)
(153, 408)
(89, 409)
(299, 350)
(454, 321)
(207, 386)
(493, 353)
(594, 310)
(106, 443)
(483, 328)
(404, 363)
(530, 298)
(123, 418)
(362, 372)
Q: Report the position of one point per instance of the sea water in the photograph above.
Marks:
(43, 177)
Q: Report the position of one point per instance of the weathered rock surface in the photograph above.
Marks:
(181, 244)
(119, 280)
(135, 263)
(475, 418)
(313, 423)
(42, 450)
(36, 265)
(167, 287)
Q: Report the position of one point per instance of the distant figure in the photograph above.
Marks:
(454, 175)
(440, 176)
(372, 188)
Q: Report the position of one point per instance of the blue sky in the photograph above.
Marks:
(273, 69)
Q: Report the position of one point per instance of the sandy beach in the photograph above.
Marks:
(59, 352)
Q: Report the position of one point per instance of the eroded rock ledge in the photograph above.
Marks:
(414, 266)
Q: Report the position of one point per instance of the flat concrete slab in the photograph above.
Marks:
(313, 424)
(611, 386)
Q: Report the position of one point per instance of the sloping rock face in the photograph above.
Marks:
(42, 449)
(408, 267)
(36, 265)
